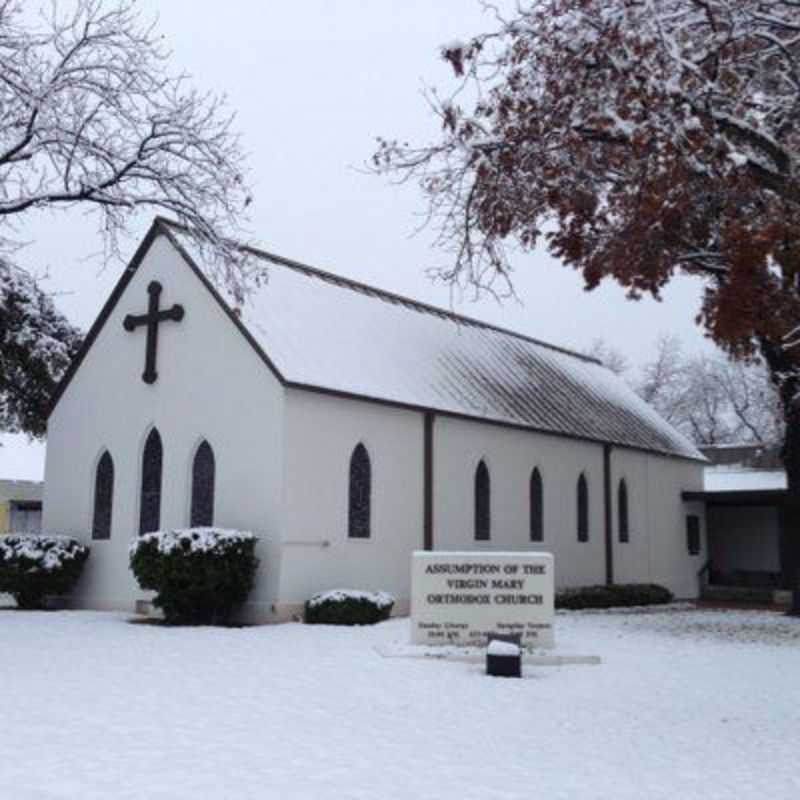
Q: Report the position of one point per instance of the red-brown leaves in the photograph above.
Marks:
(657, 137)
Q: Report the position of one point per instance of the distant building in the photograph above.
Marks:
(20, 506)
(744, 489)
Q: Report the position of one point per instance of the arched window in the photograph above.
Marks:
(103, 497)
(537, 521)
(583, 509)
(622, 510)
(202, 513)
(483, 513)
(150, 502)
(358, 515)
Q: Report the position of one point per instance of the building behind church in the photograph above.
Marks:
(20, 506)
(348, 427)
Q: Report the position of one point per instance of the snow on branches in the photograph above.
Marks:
(92, 116)
(36, 343)
(636, 138)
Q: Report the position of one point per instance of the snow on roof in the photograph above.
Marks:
(324, 331)
(737, 479)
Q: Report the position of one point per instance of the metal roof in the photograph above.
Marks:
(320, 330)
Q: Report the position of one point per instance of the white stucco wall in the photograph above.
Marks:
(657, 548)
(211, 384)
(510, 456)
(321, 433)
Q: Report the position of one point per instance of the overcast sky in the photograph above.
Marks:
(313, 84)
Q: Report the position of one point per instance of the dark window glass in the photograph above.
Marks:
(483, 515)
(103, 497)
(622, 511)
(203, 486)
(150, 505)
(537, 524)
(693, 534)
(358, 520)
(583, 509)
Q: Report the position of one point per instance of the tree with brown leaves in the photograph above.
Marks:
(636, 139)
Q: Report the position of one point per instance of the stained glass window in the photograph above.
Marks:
(203, 468)
(103, 497)
(150, 505)
(583, 509)
(358, 523)
(622, 511)
(483, 515)
(536, 499)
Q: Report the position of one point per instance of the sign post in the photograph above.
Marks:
(459, 598)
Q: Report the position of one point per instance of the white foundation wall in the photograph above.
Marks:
(317, 555)
(211, 385)
(511, 455)
(656, 550)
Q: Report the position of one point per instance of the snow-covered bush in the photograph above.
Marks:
(33, 566)
(200, 575)
(348, 607)
(622, 594)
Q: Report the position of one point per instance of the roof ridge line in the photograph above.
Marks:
(366, 288)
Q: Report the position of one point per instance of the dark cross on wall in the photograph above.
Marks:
(152, 319)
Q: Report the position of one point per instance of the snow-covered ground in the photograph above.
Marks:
(686, 704)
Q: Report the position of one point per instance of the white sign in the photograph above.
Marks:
(460, 598)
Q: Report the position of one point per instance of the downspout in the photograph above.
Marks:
(609, 528)
(427, 471)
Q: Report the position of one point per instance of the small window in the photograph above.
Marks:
(693, 534)
(24, 516)
(537, 521)
(103, 497)
(622, 511)
(150, 501)
(203, 467)
(358, 521)
(583, 509)
(483, 515)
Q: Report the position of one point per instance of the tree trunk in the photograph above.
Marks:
(784, 375)
(791, 510)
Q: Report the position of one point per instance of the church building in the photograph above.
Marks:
(347, 427)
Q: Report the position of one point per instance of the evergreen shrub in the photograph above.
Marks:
(348, 607)
(35, 566)
(200, 575)
(623, 594)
